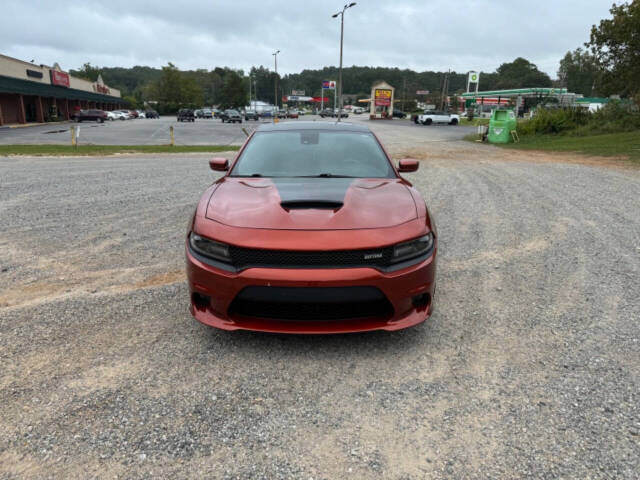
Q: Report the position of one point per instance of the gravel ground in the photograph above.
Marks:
(530, 366)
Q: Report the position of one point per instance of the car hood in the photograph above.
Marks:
(311, 203)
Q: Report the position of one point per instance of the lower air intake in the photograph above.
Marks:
(310, 303)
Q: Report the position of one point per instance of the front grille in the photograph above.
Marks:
(250, 257)
(311, 303)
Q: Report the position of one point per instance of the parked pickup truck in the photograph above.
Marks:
(435, 116)
(186, 115)
(231, 116)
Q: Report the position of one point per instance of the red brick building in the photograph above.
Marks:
(38, 93)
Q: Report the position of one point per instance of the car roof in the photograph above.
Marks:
(312, 125)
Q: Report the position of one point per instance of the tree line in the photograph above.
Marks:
(609, 64)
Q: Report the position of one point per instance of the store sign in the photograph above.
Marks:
(474, 77)
(297, 92)
(382, 97)
(297, 98)
(34, 73)
(59, 78)
(330, 84)
(101, 89)
(422, 92)
(320, 99)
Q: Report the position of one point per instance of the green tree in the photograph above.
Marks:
(579, 72)
(174, 90)
(88, 72)
(131, 101)
(265, 83)
(520, 73)
(616, 45)
(234, 93)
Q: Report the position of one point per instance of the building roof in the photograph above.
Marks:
(312, 125)
(25, 87)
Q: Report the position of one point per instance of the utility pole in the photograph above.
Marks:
(249, 91)
(340, 71)
(275, 98)
(445, 89)
(404, 94)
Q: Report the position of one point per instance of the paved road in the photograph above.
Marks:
(200, 132)
(529, 368)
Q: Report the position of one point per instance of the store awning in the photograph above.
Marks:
(25, 87)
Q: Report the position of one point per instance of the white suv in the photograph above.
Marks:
(435, 116)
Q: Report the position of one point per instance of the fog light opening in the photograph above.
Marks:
(200, 301)
(421, 300)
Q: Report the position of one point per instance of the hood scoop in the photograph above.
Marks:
(311, 204)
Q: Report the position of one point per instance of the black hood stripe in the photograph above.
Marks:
(312, 190)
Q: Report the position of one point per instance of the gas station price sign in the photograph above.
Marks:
(382, 97)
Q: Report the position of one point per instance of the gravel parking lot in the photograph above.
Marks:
(530, 366)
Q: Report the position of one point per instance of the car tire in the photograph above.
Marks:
(428, 121)
(101, 120)
(454, 122)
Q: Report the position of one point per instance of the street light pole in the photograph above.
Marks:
(275, 90)
(341, 42)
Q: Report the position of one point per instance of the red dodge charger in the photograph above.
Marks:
(311, 230)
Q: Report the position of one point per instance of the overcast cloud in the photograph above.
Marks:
(422, 35)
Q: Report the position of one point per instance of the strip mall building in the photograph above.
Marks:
(38, 93)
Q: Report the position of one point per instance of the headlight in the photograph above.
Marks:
(414, 248)
(210, 248)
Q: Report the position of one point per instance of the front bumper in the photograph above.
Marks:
(401, 288)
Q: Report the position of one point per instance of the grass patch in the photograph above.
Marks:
(626, 144)
(103, 150)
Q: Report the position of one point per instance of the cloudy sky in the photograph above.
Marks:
(418, 34)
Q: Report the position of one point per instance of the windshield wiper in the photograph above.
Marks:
(255, 175)
(326, 175)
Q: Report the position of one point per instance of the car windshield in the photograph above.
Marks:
(313, 153)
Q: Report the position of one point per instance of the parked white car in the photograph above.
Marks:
(358, 110)
(111, 115)
(120, 115)
(435, 116)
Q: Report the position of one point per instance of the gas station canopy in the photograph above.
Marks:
(519, 92)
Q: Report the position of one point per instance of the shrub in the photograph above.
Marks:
(612, 118)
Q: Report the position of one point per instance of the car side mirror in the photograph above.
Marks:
(407, 165)
(219, 164)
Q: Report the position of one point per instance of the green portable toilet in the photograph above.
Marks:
(501, 124)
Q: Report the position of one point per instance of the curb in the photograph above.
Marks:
(27, 125)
